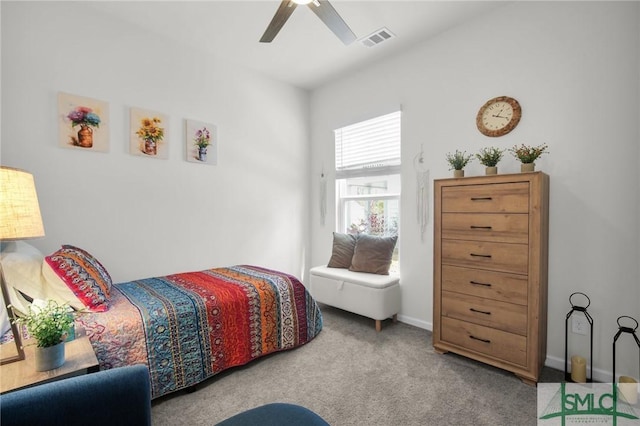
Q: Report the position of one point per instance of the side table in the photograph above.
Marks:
(79, 359)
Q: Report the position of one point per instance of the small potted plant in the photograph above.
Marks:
(457, 161)
(490, 157)
(528, 155)
(49, 324)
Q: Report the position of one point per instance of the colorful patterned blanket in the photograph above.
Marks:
(188, 327)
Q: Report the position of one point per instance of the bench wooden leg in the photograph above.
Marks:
(379, 322)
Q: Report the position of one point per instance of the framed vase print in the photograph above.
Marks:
(83, 123)
(201, 142)
(149, 133)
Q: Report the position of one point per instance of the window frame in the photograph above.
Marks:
(390, 168)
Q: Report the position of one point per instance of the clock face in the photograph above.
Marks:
(498, 116)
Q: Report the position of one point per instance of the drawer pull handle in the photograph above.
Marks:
(480, 227)
(481, 198)
(482, 340)
(480, 255)
(480, 312)
(477, 283)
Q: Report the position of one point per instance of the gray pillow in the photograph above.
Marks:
(373, 254)
(343, 246)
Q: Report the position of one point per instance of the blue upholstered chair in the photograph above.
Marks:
(120, 396)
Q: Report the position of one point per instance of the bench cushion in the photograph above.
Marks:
(342, 252)
(373, 254)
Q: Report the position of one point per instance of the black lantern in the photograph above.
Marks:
(583, 309)
(629, 330)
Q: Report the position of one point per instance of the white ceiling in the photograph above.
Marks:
(305, 53)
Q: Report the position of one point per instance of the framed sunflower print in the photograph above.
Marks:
(149, 133)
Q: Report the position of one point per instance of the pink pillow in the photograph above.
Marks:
(84, 275)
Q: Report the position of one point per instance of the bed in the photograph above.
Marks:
(188, 327)
(185, 327)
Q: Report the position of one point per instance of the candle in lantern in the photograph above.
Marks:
(578, 369)
(628, 387)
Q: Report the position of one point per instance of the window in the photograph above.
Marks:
(368, 178)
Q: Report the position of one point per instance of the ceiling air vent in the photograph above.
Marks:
(377, 37)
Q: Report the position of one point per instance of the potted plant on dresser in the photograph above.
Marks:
(490, 157)
(457, 161)
(528, 155)
(49, 324)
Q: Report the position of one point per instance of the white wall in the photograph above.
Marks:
(574, 68)
(141, 216)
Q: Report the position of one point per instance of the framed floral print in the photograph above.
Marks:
(201, 142)
(149, 133)
(83, 123)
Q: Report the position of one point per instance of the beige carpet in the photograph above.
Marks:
(351, 375)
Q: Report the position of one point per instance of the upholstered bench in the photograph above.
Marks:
(370, 295)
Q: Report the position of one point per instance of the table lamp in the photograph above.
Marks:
(19, 220)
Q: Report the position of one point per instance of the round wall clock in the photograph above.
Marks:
(498, 116)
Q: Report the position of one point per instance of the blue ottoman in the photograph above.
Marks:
(276, 414)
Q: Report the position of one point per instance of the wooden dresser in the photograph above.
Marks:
(490, 270)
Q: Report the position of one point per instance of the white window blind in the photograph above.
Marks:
(368, 148)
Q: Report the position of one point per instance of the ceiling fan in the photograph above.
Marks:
(324, 11)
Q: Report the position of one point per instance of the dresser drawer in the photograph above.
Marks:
(484, 255)
(494, 198)
(491, 313)
(501, 286)
(505, 228)
(488, 341)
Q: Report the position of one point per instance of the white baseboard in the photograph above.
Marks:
(599, 375)
(415, 322)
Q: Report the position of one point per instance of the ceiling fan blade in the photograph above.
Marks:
(332, 19)
(285, 10)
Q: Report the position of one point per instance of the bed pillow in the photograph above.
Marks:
(75, 270)
(342, 252)
(373, 254)
(22, 268)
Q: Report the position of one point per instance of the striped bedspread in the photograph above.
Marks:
(190, 326)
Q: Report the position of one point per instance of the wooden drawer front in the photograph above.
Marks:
(490, 198)
(505, 228)
(483, 255)
(489, 341)
(510, 288)
(492, 313)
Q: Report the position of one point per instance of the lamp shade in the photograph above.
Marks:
(19, 209)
